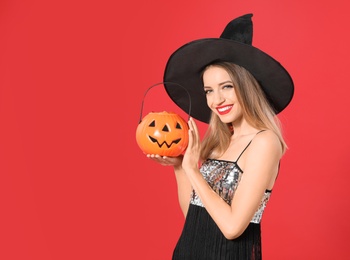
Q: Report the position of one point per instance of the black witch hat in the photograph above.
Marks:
(186, 64)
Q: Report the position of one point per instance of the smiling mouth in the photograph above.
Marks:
(154, 140)
(224, 110)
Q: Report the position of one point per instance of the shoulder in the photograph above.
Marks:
(266, 142)
(263, 155)
(266, 136)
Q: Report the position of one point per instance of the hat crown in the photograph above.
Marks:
(239, 29)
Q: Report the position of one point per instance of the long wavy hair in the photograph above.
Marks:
(255, 107)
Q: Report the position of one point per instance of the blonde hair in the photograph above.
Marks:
(256, 110)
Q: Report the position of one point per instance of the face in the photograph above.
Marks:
(221, 95)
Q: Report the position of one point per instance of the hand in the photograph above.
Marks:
(166, 161)
(192, 154)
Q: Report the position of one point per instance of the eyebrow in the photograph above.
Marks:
(220, 84)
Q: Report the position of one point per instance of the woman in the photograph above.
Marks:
(225, 182)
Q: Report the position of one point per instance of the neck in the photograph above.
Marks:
(242, 129)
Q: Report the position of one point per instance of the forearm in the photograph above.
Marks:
(184, 189)
(222, 214)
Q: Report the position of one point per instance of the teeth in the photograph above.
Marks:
(224, 108)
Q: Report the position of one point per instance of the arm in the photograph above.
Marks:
(260, 168)
(184, 187)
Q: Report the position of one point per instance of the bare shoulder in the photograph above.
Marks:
(267, 136)
(267, 141)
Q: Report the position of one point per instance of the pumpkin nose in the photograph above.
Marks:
(165, 129)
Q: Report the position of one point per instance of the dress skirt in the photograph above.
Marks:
(201, 239)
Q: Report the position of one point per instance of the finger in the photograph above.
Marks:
(194, 126)
(190, 135)
(190, 123)
(195, 132)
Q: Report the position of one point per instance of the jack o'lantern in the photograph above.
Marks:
(163, 133)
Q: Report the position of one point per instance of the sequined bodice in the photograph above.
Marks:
(224, 177)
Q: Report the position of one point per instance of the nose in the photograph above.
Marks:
(218, 98)
(165, 128)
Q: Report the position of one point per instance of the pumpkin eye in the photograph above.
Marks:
(152, 124)
(165, 129)
(178, 126)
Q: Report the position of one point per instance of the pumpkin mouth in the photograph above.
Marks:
(154, 140)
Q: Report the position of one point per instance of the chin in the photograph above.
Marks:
(226, 120)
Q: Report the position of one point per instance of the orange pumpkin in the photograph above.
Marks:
(163, 133)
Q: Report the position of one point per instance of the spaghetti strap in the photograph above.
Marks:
(248, 145)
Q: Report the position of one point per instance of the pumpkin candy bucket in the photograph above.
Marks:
(163, 133)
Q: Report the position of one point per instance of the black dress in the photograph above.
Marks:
(201, 239)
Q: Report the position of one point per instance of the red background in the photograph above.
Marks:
(74, 184)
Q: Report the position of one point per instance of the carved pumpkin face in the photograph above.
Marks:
(162, 133)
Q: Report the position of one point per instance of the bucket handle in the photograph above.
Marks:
(189, 97)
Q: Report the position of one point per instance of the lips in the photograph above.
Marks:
(224, 109)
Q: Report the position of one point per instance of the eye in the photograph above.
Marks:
(227, 87)
(207, 91)
(152, 124)
(178, 126)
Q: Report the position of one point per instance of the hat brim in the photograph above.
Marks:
(186, 64)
